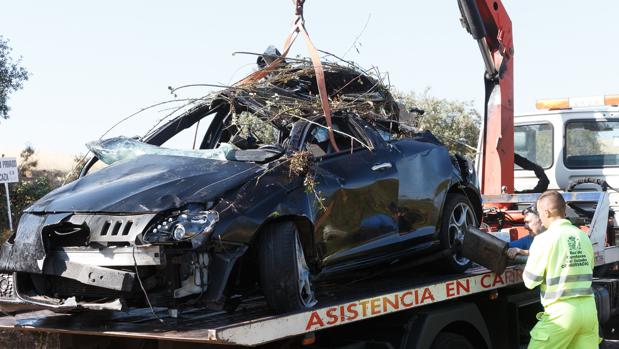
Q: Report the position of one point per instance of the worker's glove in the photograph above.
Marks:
(513, 252)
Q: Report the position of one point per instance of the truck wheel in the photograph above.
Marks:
(284, 276)
(449, 340)
(458, 213)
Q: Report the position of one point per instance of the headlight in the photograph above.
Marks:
(190, 225)
(183, 226)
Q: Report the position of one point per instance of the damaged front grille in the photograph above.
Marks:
(6, 285)
(110, 229)
(83, 229)
(115, 227)
(65, 234)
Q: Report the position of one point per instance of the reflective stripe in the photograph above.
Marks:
(532, 277)
(569, 278)
(568, 293)
(562, 255)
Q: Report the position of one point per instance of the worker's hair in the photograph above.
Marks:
(552, 201)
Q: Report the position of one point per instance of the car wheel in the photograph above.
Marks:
(284, 275)
(458, 213)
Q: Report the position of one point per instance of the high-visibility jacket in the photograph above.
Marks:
(561, 261)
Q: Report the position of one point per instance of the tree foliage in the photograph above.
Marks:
(586, 138)
(455, 123)
(12, 75)
(33, 184)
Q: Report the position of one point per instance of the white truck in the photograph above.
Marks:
(576, 142)
(570, 138)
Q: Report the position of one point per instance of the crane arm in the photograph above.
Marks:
(489, 24)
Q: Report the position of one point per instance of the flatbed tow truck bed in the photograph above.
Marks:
(253, 324)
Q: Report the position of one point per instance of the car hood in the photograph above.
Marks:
(149, 183)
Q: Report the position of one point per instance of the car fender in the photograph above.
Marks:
(258, 202)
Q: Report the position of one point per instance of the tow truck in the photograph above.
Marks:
(402, 309)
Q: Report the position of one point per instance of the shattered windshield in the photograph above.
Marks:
(117, 149)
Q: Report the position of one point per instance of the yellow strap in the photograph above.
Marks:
(298, 26)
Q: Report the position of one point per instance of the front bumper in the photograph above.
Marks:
(14, 303)
(86, 266)
(9, 302)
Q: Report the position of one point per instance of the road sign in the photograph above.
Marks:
(8, 174)
(8, 170)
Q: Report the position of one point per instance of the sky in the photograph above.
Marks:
(94, 63)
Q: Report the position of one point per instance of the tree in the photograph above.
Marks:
(79, 161)
(33, 184)
(585, 138)
(454, 123)
(12, 75)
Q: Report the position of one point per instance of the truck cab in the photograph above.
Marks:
(569, 143)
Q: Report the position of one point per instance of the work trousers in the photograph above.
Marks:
(569, 323)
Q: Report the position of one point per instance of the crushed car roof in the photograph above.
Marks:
(290, 93)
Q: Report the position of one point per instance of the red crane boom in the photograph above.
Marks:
(490, 25)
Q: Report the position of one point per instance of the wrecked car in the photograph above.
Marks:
(264, 203)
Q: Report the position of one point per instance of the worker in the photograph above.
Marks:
(561, 261)
(534, 225)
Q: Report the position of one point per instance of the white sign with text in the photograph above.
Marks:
(8, 170)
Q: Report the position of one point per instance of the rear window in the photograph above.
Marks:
(534, 142)
(591, 144)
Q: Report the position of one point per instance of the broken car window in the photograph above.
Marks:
(346, 137)
(250, 131)
(191, 137)
(122, 148)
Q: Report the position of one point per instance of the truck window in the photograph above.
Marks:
(534, 142)
(591, 144)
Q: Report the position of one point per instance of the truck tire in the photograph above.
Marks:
(458, 213)
(284, 276)
(449, 340)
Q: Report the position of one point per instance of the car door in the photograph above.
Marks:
(425, 173)
(359, 191)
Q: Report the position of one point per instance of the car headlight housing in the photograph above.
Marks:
(183, 226)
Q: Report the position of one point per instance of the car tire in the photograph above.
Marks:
(449, 340)
(284, 276)
(457, 214)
